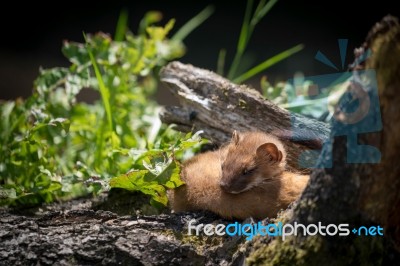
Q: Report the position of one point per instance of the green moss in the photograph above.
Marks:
(242, 103)
(286, 252)
(369, 250)
(224, 96)
(318, 250)
(200, 243)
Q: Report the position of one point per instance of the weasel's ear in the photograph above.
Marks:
(270, 151)
(235, 137)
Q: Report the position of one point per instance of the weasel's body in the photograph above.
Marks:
(246, 178)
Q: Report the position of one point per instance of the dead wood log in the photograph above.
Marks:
(217, 106)
(74, 233)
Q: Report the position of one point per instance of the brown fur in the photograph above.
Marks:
(252, 158)
(274, 188)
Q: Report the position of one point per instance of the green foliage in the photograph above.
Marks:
(53, 146)
(56, 147)
(296, 97)
(156, 169)
(268, 63)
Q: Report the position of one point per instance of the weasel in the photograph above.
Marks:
(253, 158)
(245, 178)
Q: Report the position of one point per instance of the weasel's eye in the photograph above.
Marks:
(247, 171)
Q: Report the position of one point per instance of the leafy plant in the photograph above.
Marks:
(54, 146)
(156, 169)
(299, 96)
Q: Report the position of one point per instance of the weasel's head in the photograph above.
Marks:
(249, 162)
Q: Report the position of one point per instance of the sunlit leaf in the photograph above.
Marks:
(159, 33)
(76, 53)
(7, 193)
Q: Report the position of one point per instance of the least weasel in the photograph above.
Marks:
(245, 178)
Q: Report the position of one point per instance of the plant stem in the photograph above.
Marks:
(267, 63)
(121, 26)
(221, 62)
(193, 23)
(243, 39)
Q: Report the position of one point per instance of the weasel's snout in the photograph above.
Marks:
(224, 185)
(228, 187)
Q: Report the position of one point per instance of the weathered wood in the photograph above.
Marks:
(359, 194)
(217, 106)
(81, 235)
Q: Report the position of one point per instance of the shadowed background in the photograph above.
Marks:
(318, 26)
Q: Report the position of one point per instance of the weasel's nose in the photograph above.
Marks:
(224, 185)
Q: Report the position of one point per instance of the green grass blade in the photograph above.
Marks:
(221, 62)
(260, 5)
(149, 18)
(267, 63)
(104, 92)
(243, 39)
(105, 97)
(122, 26)
(192, 24)
(260, 13)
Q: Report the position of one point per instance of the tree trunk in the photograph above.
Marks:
(360, 194)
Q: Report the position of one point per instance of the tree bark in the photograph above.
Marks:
(358, 194)
(78, 233)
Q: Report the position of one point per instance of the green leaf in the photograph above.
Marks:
(157, 192)
(190, 141)
(7, 193)
(243, 40)
(193, 23)
(76, 53)
(122, 181)
(171, 176)
(54, 186)
(149, 18)
(262, 10)
(122, 26)
(268, 63)
(49, 79)
(136, 181)
(159, 33)
(60, 122)
(221, 62)
(244, 32)
(132, 181)
(104, 91)
(138, 155)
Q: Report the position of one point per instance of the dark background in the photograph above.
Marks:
(32, 34)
